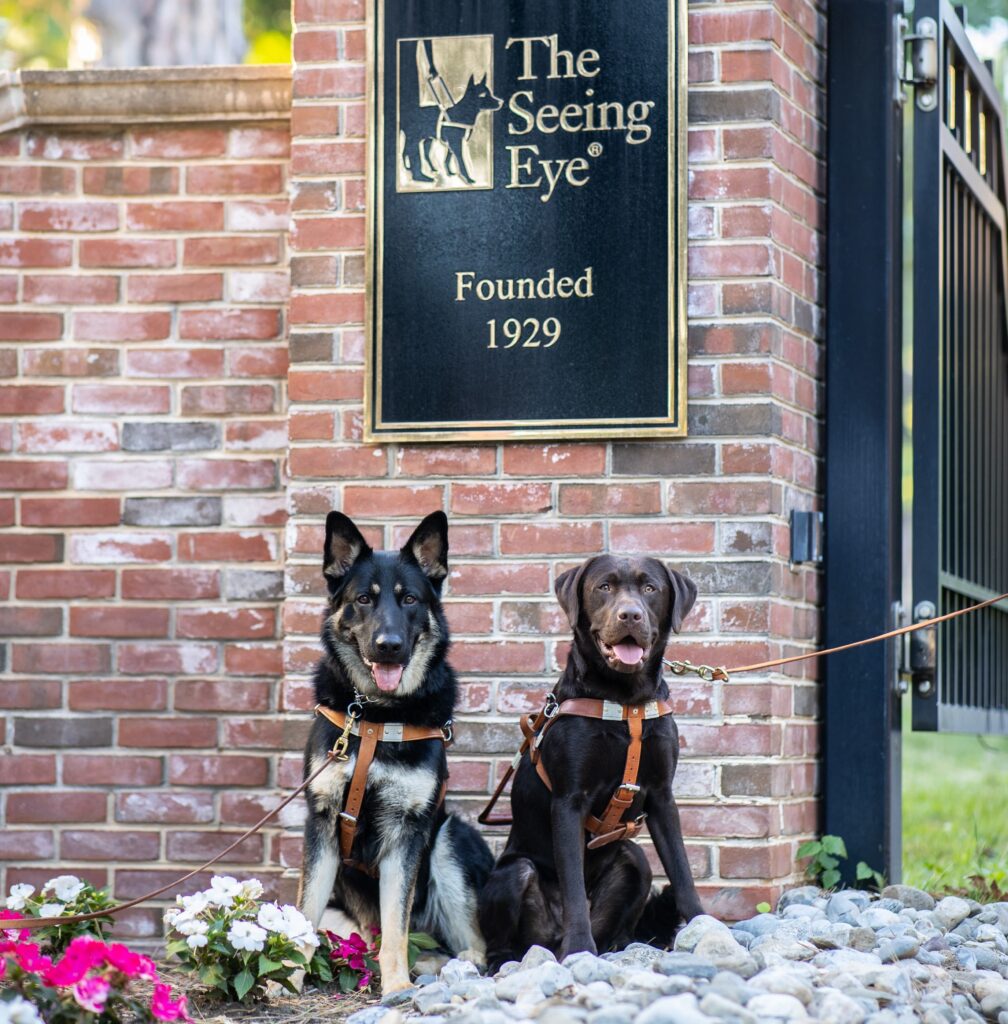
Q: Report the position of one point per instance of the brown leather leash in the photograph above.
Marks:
(371, 734)
(534, 727)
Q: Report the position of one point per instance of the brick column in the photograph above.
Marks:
(716, 503)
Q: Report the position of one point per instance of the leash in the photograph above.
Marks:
(534, 726)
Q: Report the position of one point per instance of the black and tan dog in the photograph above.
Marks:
(385, 639)
(547, 888)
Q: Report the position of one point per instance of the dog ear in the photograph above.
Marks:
(684, 594)
(428, 547)
(482, 81)
(568, 592)
(472, 82)
(344, 544)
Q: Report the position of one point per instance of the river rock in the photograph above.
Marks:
(878, 917)
(373, 1014)
(430, 996)
(715, 1005)
(732, 987)
(704, 924)
(456, 971)
(686, 964)
(775, 1006)
(725, 953)
(680, 1009)
(836, 1008)
(783, 981)
(586, 968)
(950, 911)
(536, 955)
(901, 947)
(616, 1013)
(804, 894)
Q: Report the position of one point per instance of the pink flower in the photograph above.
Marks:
(133, 965)
(81, 955)
(163, 1007)
(365, 980)
(12, 936)
(91, 993)
(30, 959)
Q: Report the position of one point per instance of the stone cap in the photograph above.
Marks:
(96, 98)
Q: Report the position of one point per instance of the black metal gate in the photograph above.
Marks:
(960, 379)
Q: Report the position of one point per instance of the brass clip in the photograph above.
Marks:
(339, 749)
(706, 672)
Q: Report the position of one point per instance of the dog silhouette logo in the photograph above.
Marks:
(445, 114)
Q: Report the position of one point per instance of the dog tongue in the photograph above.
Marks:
(628, 653)
(386, 676)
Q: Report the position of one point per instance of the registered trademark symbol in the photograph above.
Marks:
(594, 148)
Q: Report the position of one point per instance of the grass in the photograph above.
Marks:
(955, 812)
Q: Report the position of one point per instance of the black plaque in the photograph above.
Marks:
(526, 263)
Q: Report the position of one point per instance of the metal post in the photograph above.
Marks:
(863, 432)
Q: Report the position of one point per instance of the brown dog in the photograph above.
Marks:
(547, 888)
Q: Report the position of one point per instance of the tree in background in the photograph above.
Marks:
(142, 33)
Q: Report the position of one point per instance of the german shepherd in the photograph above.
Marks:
(385, 638)
(422, 125)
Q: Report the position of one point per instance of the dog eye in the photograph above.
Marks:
(648, 588)
(409, 599)
(363, 599)
(603, 586)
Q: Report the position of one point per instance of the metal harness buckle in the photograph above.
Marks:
(339, 750)
(552, 706)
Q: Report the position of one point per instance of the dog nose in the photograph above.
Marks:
(630, 613)
(388, 643)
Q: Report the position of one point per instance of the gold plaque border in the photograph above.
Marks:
(672, 425)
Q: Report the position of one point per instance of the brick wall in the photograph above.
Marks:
(716, 504)
(143, 282)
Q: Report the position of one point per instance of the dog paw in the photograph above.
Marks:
(394, 983)
(473, 956)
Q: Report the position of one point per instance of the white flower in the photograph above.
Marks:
(195, 903)
(51, 910)
(18, 1011)
(298, 928)
(222, 891)
(271, 917)
(196, 939)
(187, 925)
(171, 916)
(246, 935)
(252, 888)
(18, 894)
(65, 887)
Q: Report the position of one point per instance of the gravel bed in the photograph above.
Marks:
(841, 958)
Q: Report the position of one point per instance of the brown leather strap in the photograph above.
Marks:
(389, 732)
(530, 726)
(609, 826)
(355, 791)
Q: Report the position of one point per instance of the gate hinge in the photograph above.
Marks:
(917, 61)
(920, 652)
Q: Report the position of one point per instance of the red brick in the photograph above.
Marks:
(656, 538)
(327, 11)
(180, 143)
(70, 511)
(324, 385)
(220, 179)
(121, 326)
(226, 623)
(119, 621)
(170, 584)
(30, 326)
(111, 845)
(29, 475)
(351, 461)
(198, 362)
(229, 324)
(226, 474)
(327, 308)
(723, 497)
(162, 808)
(121, 474)
(729, 820)
(309, 233)
(119, 547)
(75, 289)
(29, 694)
(498, 579)
(25, 620)
(246, 546)
(314, 46)
(28, 770)
(75, 362)
(30, 400)
(448, 460)
(137, 180)
(175, 215)
(310, 426)
(121, 398)
(170, 658)
(111, 770)
(167, 732)
(35, 252)
(127, 252)
(553, 538)
(70, 216)
(64, 583)
(230, 251)
(256, 435)
(219, 399)
(117, 694)
(393, 501)
(201, 846)
(61, 658)
(254, 659)
(46, 438)
(252, 215)
(35, 179)
(26, 844)
(214, 770)
(500, 499)
(610, 499)
(222, 695)
(52, 145)
(54, 807)
(174, 287)
(554, 460)
(31, 547)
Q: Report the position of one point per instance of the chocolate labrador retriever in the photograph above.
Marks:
(548, 888)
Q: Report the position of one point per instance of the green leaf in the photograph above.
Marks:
(175, 948)
(825, 861)
(347, 980)
(834, 845)
(297, 957)
(266, 965)
(243, 982)
(210, 974)
(422, 940)
(830, 879)
(763, 908)
(809, 848)
(863, 871)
